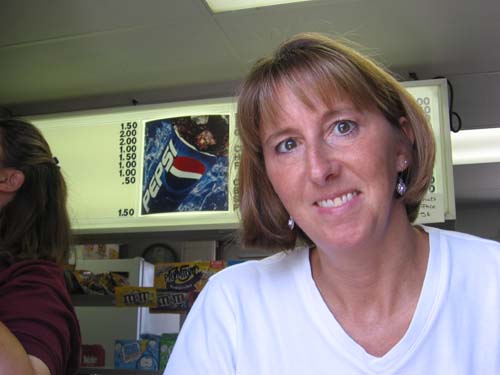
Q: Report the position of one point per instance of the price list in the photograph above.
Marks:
(99, 159)
(127, 161)
(127, 143)
(432, 208)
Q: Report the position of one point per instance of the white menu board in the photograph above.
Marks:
(156, 167)
(174, 166)
(439, 202)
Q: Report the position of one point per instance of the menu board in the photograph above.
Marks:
(439, 202)
(174, 166)
(144, 168)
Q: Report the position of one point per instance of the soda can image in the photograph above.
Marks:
(173, 174)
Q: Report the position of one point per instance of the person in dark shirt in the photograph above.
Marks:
(39, 331)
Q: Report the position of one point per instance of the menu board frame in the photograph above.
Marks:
(439, 203)
(102, 151)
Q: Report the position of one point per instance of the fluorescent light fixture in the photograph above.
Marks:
(476, 146)
(218, 6)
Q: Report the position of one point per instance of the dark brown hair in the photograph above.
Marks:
(315, 65)
(35, 223)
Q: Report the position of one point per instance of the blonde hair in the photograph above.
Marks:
(315, 64)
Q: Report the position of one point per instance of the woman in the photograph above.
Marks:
(39, 331)
(337, 157)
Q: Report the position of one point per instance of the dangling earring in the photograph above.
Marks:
(291, 223)
(401, 187)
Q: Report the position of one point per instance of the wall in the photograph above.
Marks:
(479, 219)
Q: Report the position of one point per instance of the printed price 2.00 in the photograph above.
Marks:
(127, 157)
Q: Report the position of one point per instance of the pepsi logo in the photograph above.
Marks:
(186, 167)
(184, 172)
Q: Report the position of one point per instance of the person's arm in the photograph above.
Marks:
(37, 310)
(13, 358)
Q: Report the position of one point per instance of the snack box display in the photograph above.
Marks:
(185, 276)
(140, 354)
(167, 342)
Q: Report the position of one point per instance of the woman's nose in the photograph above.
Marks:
(322, 163)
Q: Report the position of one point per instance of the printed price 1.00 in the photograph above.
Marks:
(127, 164)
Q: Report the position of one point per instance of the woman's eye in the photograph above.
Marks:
(344, 127)
(286, 146)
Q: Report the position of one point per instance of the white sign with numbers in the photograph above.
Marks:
(439, 202)
(155, 167)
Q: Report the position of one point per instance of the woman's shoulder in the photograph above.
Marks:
(466, 247)
(36, 270)
(462, 238)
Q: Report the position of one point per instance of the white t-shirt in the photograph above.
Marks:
(268, 318)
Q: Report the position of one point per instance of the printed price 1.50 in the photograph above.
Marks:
(127, 156)
(123, 212)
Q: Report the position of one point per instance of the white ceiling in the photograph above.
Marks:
(58, 55)
(70, 51)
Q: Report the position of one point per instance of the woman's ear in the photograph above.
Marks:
(407, 139)
(11, 180)
(407, 130)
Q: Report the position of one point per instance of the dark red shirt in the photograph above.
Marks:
(36, 307)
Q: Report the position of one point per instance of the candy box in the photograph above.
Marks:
(137, 354)
(135, 296)
(152, 359)
(167, 341)
(168, 301)
(92, 356)
(181, 276)
(185, 276)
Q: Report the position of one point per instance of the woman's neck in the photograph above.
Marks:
(373, 292)
(375, 279)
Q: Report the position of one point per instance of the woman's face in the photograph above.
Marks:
(334, 169)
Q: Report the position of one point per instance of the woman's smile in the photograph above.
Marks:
(338, 200)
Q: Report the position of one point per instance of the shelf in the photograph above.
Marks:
(92, 300)
(178, 235)
(113, 371)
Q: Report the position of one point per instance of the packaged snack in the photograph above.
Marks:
(135, 296)
(185, 276)
(180, 276)
(137, 354)
(100, 283)
(150, 358)
(92, 356)
(98, 251)
(127, 353)
(168, 301)
(167, 342)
